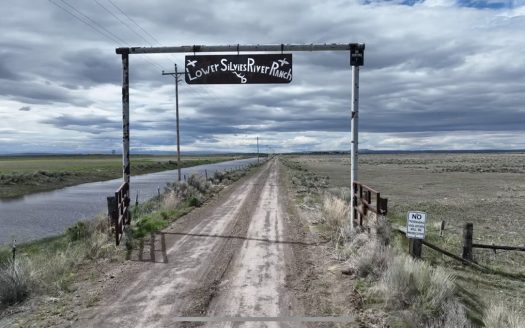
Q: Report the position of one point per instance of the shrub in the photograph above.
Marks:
(170, 200)
(413, 285)
(194, 201)
(77, 231)
(148, 224)
(199, 183)
(15, 281)
(372, 260)
(218, 176)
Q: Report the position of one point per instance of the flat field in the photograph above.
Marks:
(28, 174)
(487, 190)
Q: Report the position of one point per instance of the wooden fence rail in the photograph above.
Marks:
(367, 199)
(438, 249)
(119, 211)
(468, 245)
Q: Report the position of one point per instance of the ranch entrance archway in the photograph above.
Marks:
(356, 51)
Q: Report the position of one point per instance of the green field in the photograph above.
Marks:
(22, 175)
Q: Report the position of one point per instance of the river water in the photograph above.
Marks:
(47, 214)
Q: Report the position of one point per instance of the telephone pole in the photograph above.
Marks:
(257, 150)
(177, 80)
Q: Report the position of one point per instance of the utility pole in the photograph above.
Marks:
(177, 80)
(257, 150)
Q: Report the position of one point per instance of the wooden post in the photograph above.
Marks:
(442, 228)
(206, 173)
(415, 247)
(14, 251)
(468, 231)
(112, 210)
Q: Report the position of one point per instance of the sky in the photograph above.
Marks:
(438, 75)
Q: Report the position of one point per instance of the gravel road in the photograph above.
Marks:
(229, 258)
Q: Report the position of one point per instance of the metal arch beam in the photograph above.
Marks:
(356, 59)
(243, 47)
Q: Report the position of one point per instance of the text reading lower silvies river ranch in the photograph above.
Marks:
(239, 69)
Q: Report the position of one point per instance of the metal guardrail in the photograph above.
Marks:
(367, 199)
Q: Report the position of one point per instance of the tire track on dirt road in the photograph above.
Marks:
(255, 284)
(200, 247)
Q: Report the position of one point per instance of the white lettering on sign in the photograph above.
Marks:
(276, 68)
(416, 224)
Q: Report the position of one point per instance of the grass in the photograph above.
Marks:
(29, 174)
(49, 266)
(500, 315)
(485, 189)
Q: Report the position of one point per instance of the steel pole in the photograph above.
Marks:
(125, 119)
(242, 47)
(177, 114)
(354, 145)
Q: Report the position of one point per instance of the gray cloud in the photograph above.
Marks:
(83, 123)
(24, 109)
(438, 71)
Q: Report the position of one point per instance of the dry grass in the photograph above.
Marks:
(421, 294)
(501, 315)
(372, 260)
(335, 219)
(50, 268)
(454, 316)
(170, 201)
(15, 282)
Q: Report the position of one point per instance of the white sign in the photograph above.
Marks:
(416, 225)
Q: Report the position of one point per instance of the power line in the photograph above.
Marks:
(85, 22)
(96, 26)
(94, 22)
(133, 21)
(122, 22)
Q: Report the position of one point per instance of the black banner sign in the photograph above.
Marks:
(239, 69)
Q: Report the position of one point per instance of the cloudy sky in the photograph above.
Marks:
(438, 74)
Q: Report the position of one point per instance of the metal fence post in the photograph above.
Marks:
(125, 118)
(356, 60)
(354, 142)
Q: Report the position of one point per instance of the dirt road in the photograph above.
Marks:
(228, 258)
